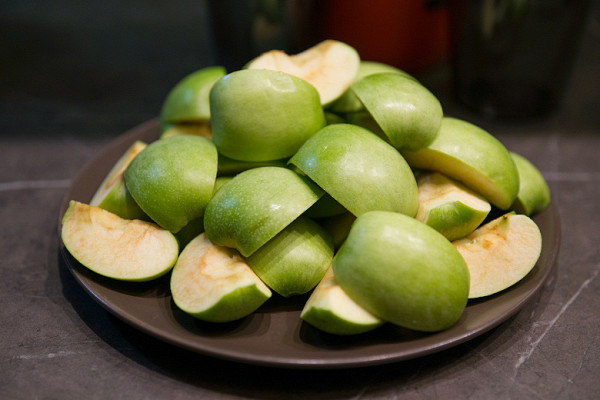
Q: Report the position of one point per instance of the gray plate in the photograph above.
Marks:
(275, 335)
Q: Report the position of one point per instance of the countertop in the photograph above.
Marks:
(75, 75)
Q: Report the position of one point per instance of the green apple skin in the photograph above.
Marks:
(172, 180)
(359, 170)
(113, 195)
(117, 248)
(408, 113)
(229, 167)
(534, 193)
(331, 310)
(262, 115)
(256, 205)
(188, 100)
(472, 156)
(214, 284)
(295, 260)
(403, 271)
(325, 207)
(348, 102)
(339, 227)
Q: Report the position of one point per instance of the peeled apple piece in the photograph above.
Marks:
(330, 66)
(214, 284)
(449, 207)
(500, 253)
(331, 310)
(118, 248)
(113, 195)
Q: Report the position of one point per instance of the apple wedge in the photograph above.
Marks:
(534, 193)
(331, 310)
(449, 207)
(472, 156)
(500, 253)
(330, 66)
(118, 248)
(214, 284)
(203, 129)
(113, 195)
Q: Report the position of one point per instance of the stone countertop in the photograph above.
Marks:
(72, 79)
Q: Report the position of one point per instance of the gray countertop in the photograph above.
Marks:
(72, 79)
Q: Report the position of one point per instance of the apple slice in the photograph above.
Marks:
(214, 284)
(403, 271)
(113, 195)
(330, 66)
(449, 207)
(500, 253)
(472, 156)
(294, 261)
(118, 248)
(408, 113)
(256, 205)
(331, 310)
(534, 193)
(203, 129)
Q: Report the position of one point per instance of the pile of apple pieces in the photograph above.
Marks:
(315, 172)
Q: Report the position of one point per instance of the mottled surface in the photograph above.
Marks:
(76, 74)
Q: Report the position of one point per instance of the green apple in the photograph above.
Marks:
(366, 120)
(294, 261)
(358, 169)
(261, 115)
(534, 193)
(256, 205)
(214, 284)
(199, 129)
(330, 66)
(348, 102)
(331, 310)
(408, 113)
(449, 207)
(229, 166)
(118, 248)
(339, 226)
(326, 206)
(500, 253)
(403, 271)
(172, 179)
(113, 195)
(188, 100)
(472, 156)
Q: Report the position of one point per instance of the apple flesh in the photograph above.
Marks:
(118, 248)
(449, 207)
(113, 195)
(172, 179)
(534, 193)
(199, 129)
(214, 284)
(331, 310)
(330, 66)
(500, 253)
(359, 170)
(407, 112)
(472, 156)
(294, 261)
(256, 205)
(262, 115)
(403, 271)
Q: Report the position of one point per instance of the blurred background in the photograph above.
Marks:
(90, 66)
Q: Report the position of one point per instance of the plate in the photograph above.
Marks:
(275, 335)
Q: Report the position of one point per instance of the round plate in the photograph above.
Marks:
(275, 335)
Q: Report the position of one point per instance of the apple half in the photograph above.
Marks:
(500, 253)
(294, 261)
(472, 156)
(118, 248)
(534, 193)
(358, 169)
(214, 284)
(331, 310)
(113, 195)
(449, 207)
(330, 66)
(256, 205)
(403, 271)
